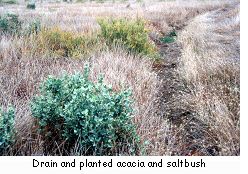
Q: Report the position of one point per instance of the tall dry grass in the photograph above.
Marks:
(82, 17)
(210, 66)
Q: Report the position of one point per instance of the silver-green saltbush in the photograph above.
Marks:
(7, 130)
(10, 24)
(75, 110)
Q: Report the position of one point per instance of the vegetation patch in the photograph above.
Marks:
(8, 1)
(7, 130)
(33, 27)
(131, 33)
(10, 24)
(171, 37)
(59, 43)
(76, 110)
(31, 6)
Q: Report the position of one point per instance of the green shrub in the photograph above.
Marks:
(172, 34)
(61, 43)
(10, 24)
(7, 130)
(9, 1)
(131, 33)
(75, 109)
(169, 38)
(31, 6)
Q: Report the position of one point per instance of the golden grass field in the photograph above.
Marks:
(187, 103)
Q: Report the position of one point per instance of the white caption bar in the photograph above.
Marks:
(108, 165)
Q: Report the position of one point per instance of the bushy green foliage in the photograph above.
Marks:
(169, 38)
(172, 34)
(131, 33)
(9, 1)
(64, 43)
(75, 109)
(10, 24)
(7, 130)
(31, 6)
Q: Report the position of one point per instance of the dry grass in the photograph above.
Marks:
(20, 78)
(175, 15)
(126, 71)
(209, 67)
(82, 17)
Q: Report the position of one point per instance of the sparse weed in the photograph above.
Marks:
(34, 27)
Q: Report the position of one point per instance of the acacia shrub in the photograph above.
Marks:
(59, 43)
(133, 34)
